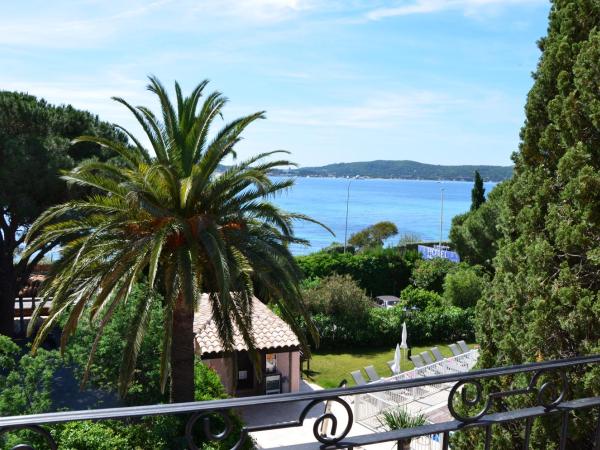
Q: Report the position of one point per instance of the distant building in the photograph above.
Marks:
(277, 344)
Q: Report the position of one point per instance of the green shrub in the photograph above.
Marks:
(464, 287)
(339, 296)
(207, 383)
(383, 327)
(413, 297)
(429, 274)
(91, 436)
(380, 272)
(104, 373)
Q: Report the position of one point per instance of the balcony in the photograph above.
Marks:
(327, 417)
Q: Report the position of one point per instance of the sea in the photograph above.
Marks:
(415, 206)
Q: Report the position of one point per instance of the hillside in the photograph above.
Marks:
(404, 169)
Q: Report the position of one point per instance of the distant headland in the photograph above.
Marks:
(411, 170)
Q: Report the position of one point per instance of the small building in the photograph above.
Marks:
(386, 301)
(277, 344)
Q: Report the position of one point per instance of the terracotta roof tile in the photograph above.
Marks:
(269, 330)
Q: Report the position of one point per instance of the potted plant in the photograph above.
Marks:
(397, 419)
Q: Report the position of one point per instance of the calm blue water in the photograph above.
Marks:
(413, 205)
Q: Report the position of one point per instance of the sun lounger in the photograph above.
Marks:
(391, 366)
(358, 378)
(463, 346)
(426, 357)
(372, 374)
(417, 361)
(437, 354)
(455, 350)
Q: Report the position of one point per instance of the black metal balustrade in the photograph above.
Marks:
(548, 389)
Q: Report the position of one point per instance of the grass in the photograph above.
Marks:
(329, 367)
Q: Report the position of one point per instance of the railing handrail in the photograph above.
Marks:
(225, 404)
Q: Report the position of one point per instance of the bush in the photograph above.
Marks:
(429, 274)
(104, 373)
(413, 297)
(338, 296)
(25, 387)
(464, 287)
(91, 436)
(381, 272)
(383, 327)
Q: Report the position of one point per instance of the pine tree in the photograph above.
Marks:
(477, 193)
(544, 300)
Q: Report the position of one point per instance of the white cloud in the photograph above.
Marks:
(467, 7)
(383, 110)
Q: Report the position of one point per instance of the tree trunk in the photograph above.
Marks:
(182, 353)
(8, 292)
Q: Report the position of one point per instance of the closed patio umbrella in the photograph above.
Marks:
(396, 367)
(404, 344)
(404, 336)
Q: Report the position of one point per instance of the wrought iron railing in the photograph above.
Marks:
(470, 403)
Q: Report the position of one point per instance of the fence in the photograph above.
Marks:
(369, 407)
(547, 388)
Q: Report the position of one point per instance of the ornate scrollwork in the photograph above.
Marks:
(549, 395)
(320, 425)
(207, 427)
(468, 399)
(36, 429)
(547, 387)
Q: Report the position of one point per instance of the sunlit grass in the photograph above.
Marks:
(329, 367)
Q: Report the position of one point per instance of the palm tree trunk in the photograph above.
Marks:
(182, 353)
(8, 292)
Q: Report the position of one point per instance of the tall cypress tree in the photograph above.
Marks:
(544, 300)
(477, 193)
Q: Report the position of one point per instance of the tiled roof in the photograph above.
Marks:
(270, 331)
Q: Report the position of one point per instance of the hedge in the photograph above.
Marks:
(384, 327)
(384, 272)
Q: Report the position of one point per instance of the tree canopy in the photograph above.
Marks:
(373, 236)
(477, 193)
(34, 147)
(544, 302)
(475, 234)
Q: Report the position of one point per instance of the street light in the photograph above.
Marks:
(441, 220)
(347, 206)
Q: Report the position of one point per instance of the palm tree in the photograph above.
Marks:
(174, 220)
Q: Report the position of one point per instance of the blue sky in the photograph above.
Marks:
(437, 81)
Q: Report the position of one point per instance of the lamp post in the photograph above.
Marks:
(441, 221)
(347, 206)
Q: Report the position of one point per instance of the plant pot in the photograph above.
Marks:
(404, 445)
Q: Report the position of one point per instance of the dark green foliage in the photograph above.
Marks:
(408, 170)
(464, 286)
(339, 296)
(91, 436)
(25, 380)
(208, 384)
(544, 301)
(25, 387)
(106, 366)
(414, 297)
(34, 147)
(477, 193)
(475, 234)
(429, 274)
(373, 236)
(385, 272)
(384, 326)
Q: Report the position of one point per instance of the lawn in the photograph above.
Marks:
(329, 367)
